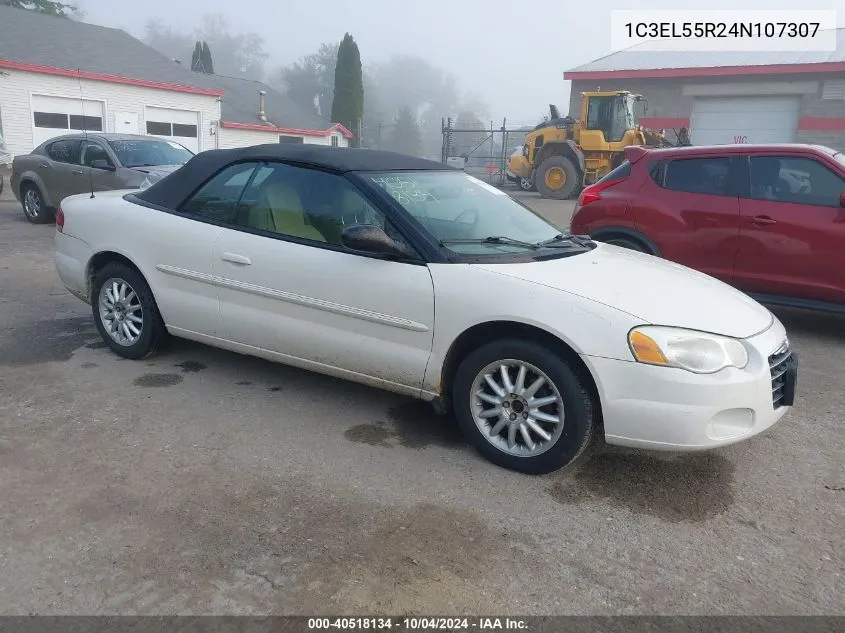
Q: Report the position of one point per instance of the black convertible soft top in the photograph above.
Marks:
(173, 190)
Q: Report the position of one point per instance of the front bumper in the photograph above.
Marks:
(670, 409)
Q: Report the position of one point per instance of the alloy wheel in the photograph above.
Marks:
(517, 408)
(120, 312)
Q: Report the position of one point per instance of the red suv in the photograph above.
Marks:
(768, 219)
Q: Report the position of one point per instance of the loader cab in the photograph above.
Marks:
(610, 113)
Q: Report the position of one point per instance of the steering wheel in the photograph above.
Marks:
(468, 212)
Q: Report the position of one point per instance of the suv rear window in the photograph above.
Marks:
(694, 175)
(622, 171)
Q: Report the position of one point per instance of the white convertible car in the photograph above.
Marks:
(410, 276)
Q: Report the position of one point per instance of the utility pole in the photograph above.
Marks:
(360, 139)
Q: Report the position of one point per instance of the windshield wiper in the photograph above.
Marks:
(564, 240)
(493, 239)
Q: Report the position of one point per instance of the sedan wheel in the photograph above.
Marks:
(517, 408)
(524, 407)
(121, 312)
(126, 313)
(525, 184)
(33, 205)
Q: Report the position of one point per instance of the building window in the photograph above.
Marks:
(334, 141)
(291, 139)
(187, 131)
(54, 120)
(89, 123)
(159, 128)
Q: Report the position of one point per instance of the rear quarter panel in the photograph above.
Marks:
(150, 238)
(25, 169)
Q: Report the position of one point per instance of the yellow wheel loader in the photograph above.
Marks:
(562, 154)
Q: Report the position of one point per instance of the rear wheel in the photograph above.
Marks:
(126, 313)
(525, 184)
(557, 178)
(33, 205)
(523, 407)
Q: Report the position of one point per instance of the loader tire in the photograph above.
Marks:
(557, 178)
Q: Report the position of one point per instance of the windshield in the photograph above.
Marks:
(150, 153)
(456, 208)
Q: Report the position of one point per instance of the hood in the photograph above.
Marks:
(649, 288)
(158, 170)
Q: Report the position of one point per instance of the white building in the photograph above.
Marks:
(59, 76)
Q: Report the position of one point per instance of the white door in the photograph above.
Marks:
(181, 126)
(54, 116)
(730, 120)
(126, 123)
(286, 285)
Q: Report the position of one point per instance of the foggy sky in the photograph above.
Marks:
(511, 54)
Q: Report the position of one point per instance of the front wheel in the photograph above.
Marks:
(523, 407)
(557, 178)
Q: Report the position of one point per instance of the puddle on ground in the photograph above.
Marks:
(693, 487)
(412, 425)
(50, 340)
(158, 380)
(191, 366)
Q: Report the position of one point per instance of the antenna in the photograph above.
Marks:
(85, 128)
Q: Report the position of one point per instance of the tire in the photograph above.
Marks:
(525, 184)
(626, 242)
(32, 203)
(152, 333)
(548, 169)
(565, 440)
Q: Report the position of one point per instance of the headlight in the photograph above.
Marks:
(698, 352)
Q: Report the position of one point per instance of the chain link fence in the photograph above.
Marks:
(482, 153)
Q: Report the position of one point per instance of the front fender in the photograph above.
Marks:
(467, 296)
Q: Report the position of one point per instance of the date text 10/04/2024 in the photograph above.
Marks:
(418, 623)
(722, 29)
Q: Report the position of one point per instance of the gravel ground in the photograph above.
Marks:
(207, 482)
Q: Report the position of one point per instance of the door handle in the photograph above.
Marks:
(78, 172)
(43, 165)
(236, 259)
(762, 220)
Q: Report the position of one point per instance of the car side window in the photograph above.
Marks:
(64, 151)
(709, 176)
(795, 179)
(304, 203)
(218, 198)
(93, 151)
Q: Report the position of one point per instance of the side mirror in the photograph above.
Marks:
(842, 199)
(102, 164)
(367, 238)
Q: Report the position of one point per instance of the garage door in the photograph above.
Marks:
(181, 126)
(54, 116)
(726, 120)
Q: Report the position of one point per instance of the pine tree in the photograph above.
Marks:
(47, 7)
(406, 133)
(348, 103)
(196, 58)
(207, 62)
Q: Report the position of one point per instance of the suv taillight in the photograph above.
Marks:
(593, 192)
(60, 220)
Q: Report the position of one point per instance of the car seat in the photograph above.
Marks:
(279, 210)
